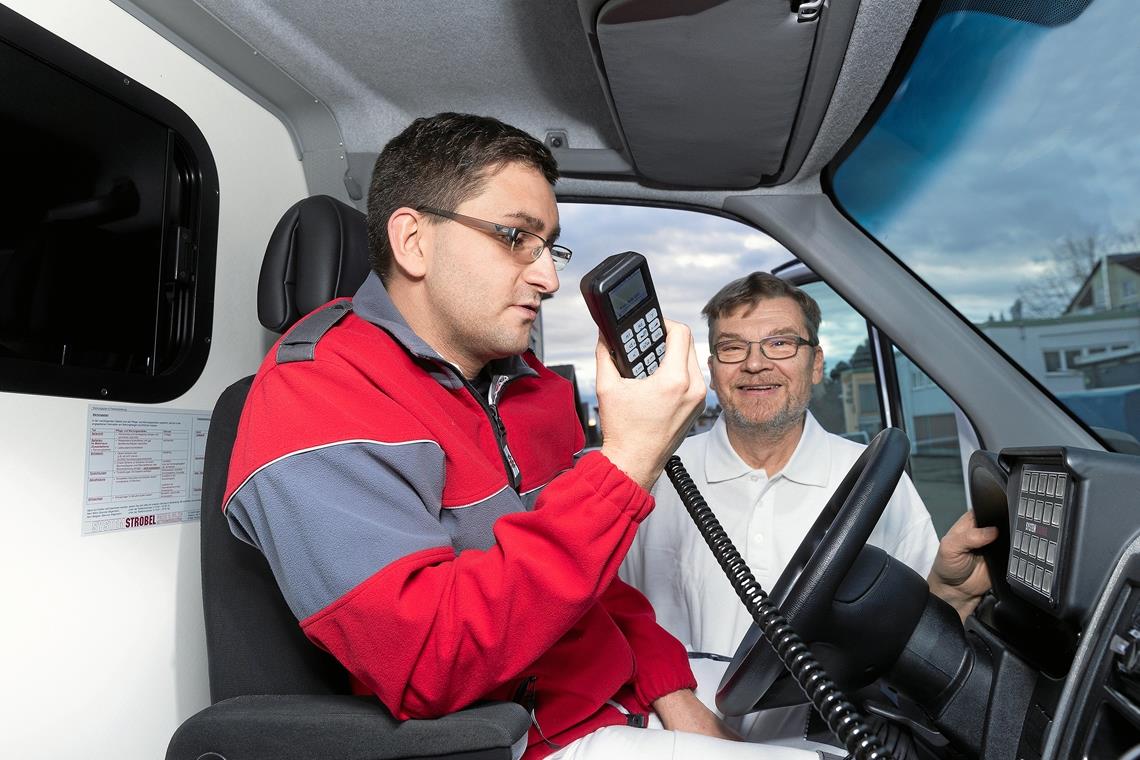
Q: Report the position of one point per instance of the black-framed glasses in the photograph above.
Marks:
(774, 347)
(520, 241)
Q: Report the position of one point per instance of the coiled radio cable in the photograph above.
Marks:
(842, 717)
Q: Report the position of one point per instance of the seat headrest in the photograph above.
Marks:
(317, 252)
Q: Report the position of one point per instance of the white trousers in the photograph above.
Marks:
(655, 743)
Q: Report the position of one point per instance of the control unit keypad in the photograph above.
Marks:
(644, 343)
(1034, 546)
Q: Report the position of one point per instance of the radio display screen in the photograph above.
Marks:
(627, 294)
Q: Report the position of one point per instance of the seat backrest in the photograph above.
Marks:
(317, 252)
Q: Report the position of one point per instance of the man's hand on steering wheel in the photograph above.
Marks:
(959, 576)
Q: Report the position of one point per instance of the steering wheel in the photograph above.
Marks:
(808, 585)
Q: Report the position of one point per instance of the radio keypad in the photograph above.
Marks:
(1034, 544)
(644, 343)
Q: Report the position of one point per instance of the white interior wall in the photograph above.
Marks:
(102, 647)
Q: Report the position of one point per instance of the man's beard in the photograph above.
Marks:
(776, 425)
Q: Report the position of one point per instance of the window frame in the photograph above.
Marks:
(201, 179)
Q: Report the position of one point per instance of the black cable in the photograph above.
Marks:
(841, 716)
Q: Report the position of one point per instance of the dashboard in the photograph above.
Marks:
(1054, 652)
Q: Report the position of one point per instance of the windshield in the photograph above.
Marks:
(1005, 171)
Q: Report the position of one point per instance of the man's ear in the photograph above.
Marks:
(817, 366)
(408, 235)
(712, 377)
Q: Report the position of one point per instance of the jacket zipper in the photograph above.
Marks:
(514, 476)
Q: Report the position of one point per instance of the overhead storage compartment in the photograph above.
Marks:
(710, 93)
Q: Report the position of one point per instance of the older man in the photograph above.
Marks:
(767, 468)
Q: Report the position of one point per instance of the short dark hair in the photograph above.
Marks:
(754, 288)
(441, 161)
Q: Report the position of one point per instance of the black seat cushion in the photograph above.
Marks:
(302, 728)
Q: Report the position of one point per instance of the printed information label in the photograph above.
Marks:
(144, 467)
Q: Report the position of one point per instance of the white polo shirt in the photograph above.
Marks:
(766, 518)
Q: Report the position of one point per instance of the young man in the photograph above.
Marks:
(406, 467)
(767, 468)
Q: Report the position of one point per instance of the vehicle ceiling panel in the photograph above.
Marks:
(377, 65)
(529, 62)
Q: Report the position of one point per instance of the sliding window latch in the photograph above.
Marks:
(809, 11)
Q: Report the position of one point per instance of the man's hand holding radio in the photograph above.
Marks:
(643, 421)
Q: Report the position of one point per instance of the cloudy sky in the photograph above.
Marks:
(1005, 139)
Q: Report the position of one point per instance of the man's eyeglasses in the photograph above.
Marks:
(774, 347)
(526, 245)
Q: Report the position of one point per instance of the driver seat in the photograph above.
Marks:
(274, 694)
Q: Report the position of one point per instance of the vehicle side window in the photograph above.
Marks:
(849, 403)
(930, 420)
(108, 229)
(691, 256)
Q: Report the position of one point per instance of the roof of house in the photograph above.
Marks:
(1126, 260)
